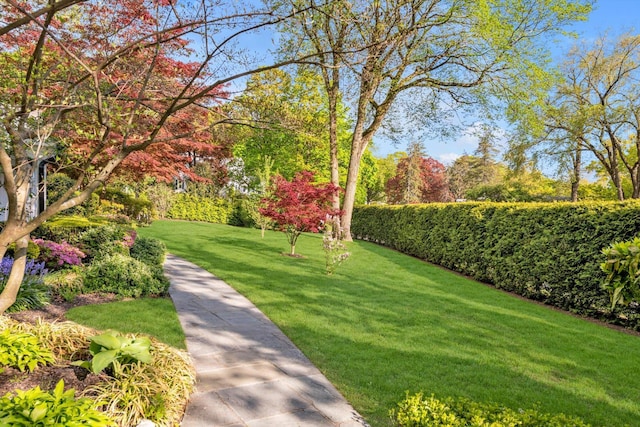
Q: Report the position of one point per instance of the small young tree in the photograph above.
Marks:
(298, 206)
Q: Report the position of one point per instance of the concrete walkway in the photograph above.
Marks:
(248, 372)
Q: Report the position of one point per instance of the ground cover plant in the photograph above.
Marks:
(385, 323)
(157, 389)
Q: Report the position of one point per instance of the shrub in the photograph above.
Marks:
(33, 293)
(57, 255)
(118, 202)
(244, 213)
(124, 276)
(104, 240)
(549, 252)
(195, 208)
(59, 408)
(66, 228)
(622, 268)
(149, 250)
(335, 251)
(417, 411)
(22, 351)
(33, 250)
(113, 351)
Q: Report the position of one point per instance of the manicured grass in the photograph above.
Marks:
(152, 316)
(385, 323)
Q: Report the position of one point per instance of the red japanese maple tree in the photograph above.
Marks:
(299, 206)
(103, 87)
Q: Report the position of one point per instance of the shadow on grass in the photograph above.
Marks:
(386, 323)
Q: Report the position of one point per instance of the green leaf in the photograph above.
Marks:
(103, 359)
(107, 341)
(38, 412)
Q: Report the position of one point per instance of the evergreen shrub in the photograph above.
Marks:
(125, 277)
(549, 252)
(196, 208)
(149, 250)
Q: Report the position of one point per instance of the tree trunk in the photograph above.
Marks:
(333, 142)
(10, 291)
(358, 144)
(577, 173)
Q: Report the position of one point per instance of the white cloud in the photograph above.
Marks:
(448, 158)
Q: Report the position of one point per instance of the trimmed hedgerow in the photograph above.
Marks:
(195, 208)
(549, 252)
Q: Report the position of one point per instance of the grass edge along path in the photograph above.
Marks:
(152, 316)
(386, 323)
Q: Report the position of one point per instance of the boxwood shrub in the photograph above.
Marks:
(549, 252)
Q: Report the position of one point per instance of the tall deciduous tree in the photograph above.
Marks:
(94, 82)
(599, 107)
(284, 116)
(299, 205)
(440, 48)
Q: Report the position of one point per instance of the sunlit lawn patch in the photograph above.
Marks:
(384, 323)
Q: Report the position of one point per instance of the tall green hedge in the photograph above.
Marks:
(195, 208)
(544, 251)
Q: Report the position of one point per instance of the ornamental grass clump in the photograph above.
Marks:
(157, 391)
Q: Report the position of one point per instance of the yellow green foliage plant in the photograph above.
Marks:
(35, 408)
(22, 351)
(419, 411)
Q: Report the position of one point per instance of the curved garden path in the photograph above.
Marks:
(248, 372)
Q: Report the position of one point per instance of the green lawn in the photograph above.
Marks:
(152, 316)
(386, 323)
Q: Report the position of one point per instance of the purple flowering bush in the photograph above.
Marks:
(33, 292)
(58, 255)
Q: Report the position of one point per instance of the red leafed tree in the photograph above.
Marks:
(103, 86)
(299, 205)
(418, 180)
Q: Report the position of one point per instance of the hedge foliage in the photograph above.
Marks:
(549, 252)
(195, 208)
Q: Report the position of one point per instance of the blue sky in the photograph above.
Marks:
(614, 16)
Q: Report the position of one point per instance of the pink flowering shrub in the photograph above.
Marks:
(57, 255)
(129, 238)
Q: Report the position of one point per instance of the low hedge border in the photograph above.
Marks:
(550, 252)
(194, 208)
